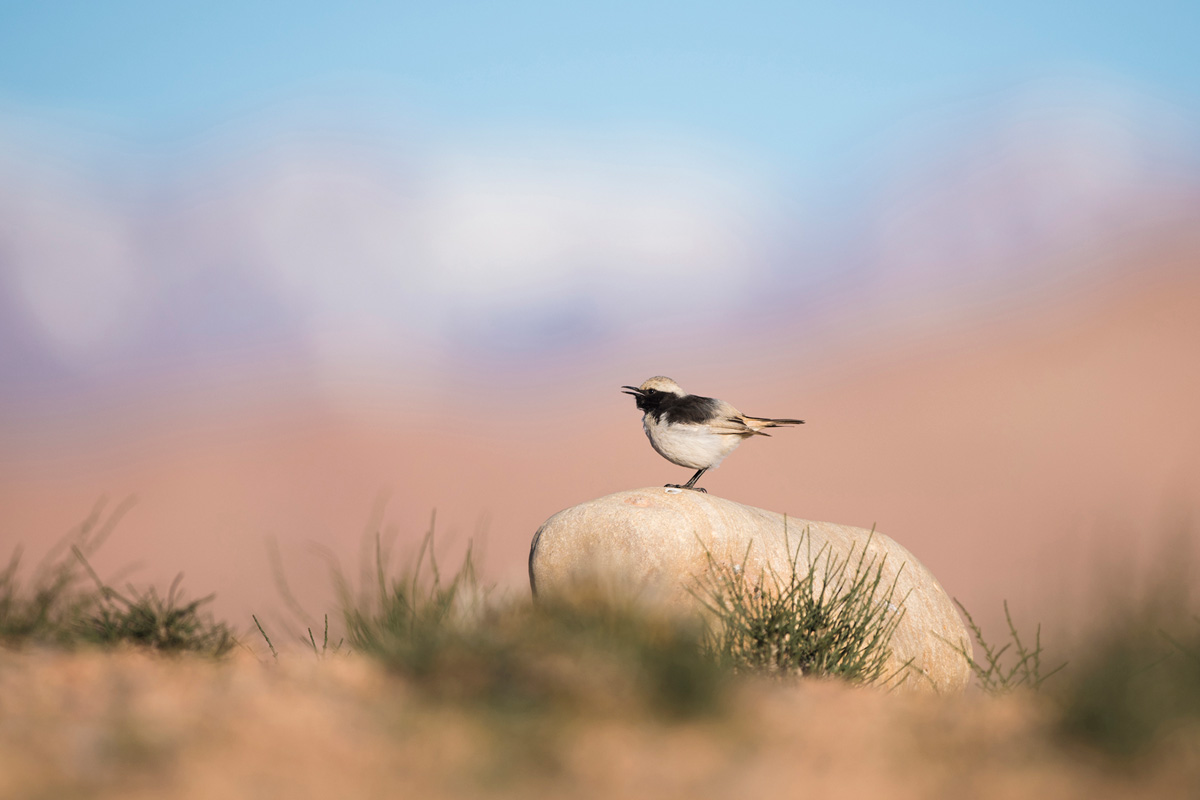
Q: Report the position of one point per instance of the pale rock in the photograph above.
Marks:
(655, 545)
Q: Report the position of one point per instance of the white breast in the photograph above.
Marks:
(693, 446)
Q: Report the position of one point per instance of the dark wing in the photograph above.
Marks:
(689, 409)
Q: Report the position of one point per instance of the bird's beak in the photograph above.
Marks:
(633, 390)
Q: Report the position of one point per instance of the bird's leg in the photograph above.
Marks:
(692, 483)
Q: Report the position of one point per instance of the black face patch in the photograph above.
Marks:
(649, 400)
(688, 409)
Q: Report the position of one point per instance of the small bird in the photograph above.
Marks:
(693, 431)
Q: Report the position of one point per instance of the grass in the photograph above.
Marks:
(145, 619)
(66, 603)
(1136, 684)
(409, 619)
(1133, 685)
(320, 652)
(824, 616)
(448, 635)
(1015, 665)
(50, 609)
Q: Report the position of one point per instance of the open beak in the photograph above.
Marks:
(633, 390)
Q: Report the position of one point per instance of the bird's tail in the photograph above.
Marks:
(757, 423)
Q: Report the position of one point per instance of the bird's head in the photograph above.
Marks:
(652, 392)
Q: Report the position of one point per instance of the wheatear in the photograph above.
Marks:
(693, 431)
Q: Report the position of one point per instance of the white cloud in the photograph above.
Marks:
(438, 245)
(388, 260)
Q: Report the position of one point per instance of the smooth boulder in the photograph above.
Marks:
(654, 544)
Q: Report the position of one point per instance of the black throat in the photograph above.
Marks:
(650, 400)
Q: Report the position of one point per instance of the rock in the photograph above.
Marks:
(653, 544)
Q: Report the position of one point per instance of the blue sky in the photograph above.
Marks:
(792, 84)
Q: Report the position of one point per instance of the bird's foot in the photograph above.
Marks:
(682, 486)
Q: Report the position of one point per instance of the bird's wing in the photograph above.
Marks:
(728, 420)
(733, 425)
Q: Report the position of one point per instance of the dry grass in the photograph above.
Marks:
(66, 604)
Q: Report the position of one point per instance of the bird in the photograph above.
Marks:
(694, 431)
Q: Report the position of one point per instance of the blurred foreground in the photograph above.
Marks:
(128, 725)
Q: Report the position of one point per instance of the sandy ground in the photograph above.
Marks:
(128, 725)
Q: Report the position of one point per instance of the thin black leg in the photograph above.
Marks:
(692, 483)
